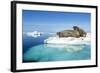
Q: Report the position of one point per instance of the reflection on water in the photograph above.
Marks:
(55, 52)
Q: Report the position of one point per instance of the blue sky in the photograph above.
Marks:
(51, 21)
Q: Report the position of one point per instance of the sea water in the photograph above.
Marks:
(35, 50)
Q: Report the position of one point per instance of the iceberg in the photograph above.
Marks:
(68, 40)
(34, 34)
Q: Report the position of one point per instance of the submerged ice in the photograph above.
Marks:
(49, 52)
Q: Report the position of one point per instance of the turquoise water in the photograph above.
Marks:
(54, 52)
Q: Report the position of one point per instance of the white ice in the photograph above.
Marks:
(69, 40)
(33, 34)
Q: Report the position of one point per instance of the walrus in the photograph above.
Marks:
(82, 33)
(76, 32)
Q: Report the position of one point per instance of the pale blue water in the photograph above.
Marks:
(46, 53)
(34, 50)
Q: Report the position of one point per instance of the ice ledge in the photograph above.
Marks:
(68, 40)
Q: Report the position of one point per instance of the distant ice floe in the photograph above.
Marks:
(69, 40)
(34, 34)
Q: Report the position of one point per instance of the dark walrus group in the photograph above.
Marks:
(76, 32)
